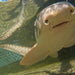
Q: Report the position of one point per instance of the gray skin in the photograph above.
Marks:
(55, 28)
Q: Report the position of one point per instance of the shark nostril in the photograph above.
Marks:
(46, 22)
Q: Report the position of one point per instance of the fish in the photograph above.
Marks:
(54, 30)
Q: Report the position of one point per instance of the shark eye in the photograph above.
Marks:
(71, 10)
(46, 22)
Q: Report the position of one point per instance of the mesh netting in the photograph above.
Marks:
(9, 11)
(7, 57)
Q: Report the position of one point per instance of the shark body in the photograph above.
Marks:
(55, 29)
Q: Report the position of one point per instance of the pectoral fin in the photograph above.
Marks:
(35, 55)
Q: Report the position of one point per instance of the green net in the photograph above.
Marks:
(9, 13)
(8, 57)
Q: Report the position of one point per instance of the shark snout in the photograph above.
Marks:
(57, 14)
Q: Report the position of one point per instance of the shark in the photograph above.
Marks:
(54, 30)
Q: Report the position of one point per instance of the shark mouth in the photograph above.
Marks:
(60, 24)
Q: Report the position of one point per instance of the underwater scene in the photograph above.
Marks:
(37, 37)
